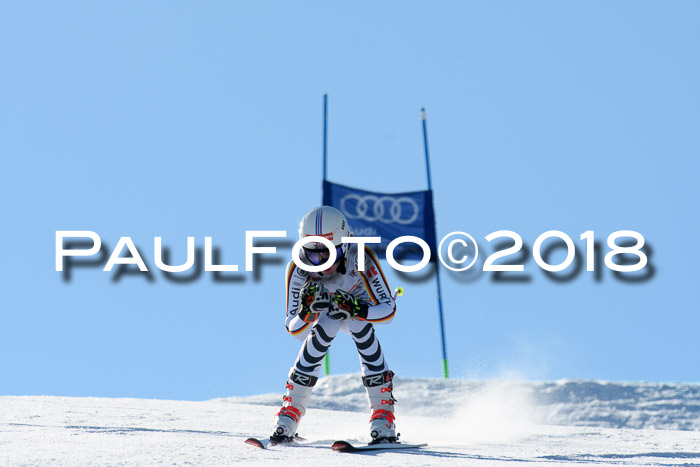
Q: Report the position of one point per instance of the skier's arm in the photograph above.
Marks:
(295, 280)
(383, 307)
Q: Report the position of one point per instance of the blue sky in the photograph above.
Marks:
(176, 119)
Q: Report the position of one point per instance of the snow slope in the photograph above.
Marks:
(582, 403)
(464, 422)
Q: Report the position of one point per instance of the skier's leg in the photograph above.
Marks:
(368, 348)
(377, 379)
(302, 378)
(315, 346)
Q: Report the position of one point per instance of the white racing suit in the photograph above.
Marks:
(368, 285)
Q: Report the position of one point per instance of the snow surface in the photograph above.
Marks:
(464, 423)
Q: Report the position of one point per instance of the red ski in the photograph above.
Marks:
(268, 443)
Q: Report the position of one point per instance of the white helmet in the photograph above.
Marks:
(328, 222)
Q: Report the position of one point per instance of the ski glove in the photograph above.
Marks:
(314, 300)
(345, 306)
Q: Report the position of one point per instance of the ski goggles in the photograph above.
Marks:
(318, 257)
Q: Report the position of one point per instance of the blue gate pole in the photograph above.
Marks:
(445, 368)
(326, 359)
(325, 137)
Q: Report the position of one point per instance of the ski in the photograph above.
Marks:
(266, 443)
(344, 446)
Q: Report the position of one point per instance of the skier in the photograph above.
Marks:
(340, 298)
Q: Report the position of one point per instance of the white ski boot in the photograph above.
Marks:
(382, 427)
(299, 388)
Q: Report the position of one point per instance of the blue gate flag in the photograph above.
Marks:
(388, 216)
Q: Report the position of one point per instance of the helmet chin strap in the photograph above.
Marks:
(341, 266)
